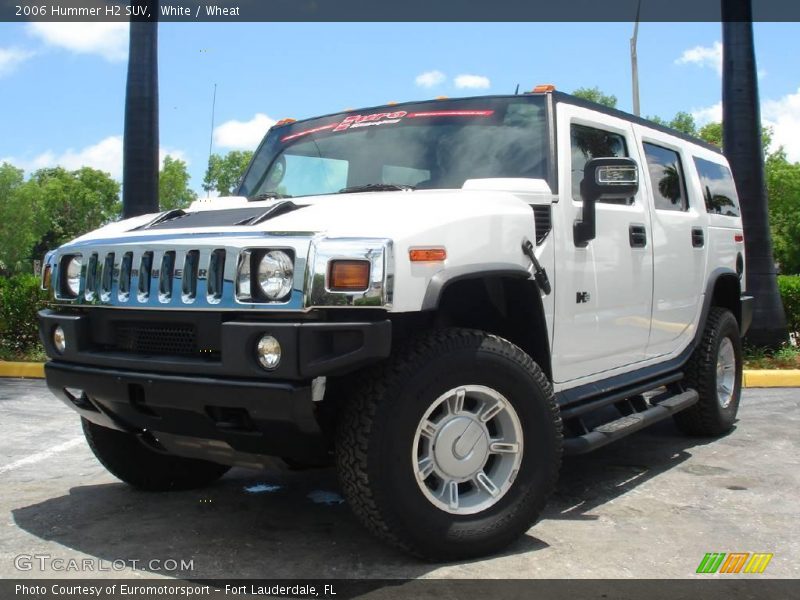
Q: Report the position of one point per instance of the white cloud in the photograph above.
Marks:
(703, 56)
(430, 79)
(711, 57)
(109, 40)
(784, 117)
(105, 155)
(472, 82)
(11, 58)
(243, 134)
(709, 114)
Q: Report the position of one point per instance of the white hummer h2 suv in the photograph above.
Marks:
(442, 297)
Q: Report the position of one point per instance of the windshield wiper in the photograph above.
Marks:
(268, 196)
(377, 187)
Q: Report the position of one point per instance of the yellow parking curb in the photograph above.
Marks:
(21, 369)
(757, 378)
(752, 378)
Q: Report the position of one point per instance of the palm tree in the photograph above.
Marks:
(743, 148)
(140, 146)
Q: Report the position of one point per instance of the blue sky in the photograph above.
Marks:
(63, 84)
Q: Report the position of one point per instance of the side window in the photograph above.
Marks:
(588, 143)
(719, 189)
(666, 178)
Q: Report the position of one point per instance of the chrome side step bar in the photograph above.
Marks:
(614, 430)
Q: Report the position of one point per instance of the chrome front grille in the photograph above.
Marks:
(165, 277)
(168, 276)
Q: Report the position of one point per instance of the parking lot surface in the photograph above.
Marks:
(650, 506)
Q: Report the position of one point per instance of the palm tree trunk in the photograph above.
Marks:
(140, 146)
(742, 142)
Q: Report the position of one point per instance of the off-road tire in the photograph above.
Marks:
(378, 424)
(131, 461)
(708, 418)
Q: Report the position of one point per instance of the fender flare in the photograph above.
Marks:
(445, 277)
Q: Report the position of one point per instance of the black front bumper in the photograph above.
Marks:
(220, 406)
(310, 348)
(226, 420)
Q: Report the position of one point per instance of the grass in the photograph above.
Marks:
(787, 357)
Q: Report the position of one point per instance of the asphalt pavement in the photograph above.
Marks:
(650, 506)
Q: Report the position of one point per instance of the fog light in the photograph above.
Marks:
(268, 352)
(59, 339)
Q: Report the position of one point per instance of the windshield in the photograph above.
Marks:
(427, 145)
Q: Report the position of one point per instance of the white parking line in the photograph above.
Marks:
(43, 455)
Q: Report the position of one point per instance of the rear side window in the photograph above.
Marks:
(666, 178)
(588, 143)
(719, 189)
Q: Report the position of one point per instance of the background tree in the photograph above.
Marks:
(17, 222)
(225, 172)
(783, 183)
(684, 122)
(594, 94)
(69, 204)
(173, 185)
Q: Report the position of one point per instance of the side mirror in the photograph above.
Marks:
(611, 178)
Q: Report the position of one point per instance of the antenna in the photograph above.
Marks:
(516, 91)
(211, 137)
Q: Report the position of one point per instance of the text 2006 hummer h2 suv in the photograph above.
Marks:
(445, 296)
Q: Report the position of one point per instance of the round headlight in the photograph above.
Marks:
(276, 274)
(74, 275)
(59, 339)
(268, 352)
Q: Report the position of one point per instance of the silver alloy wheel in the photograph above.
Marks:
(726, 372)
(467, 449)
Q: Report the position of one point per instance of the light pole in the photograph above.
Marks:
(635, 62)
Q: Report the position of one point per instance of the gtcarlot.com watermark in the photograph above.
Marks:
(49, 563)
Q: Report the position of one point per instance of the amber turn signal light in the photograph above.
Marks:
(348, 275)
(427, 254)
(46, 276)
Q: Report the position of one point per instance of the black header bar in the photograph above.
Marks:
(187, 11)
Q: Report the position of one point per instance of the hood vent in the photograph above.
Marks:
(227, 217)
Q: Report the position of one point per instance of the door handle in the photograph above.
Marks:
(637, 234)
(698, 238)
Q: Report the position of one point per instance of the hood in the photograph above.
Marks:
(393, 214)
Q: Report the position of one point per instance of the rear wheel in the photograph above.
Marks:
(129, 460)
(451, 449)
(715, 371)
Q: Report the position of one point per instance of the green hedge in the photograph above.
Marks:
(789, 286)
(20, 299)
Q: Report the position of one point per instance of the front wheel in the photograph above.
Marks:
(450, 449)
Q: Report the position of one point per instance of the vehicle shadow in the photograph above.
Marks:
(590, 480)
(293, 524)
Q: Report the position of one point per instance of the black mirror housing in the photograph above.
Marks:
(607, 178)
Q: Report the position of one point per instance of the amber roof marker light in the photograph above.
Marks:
(544, 88)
